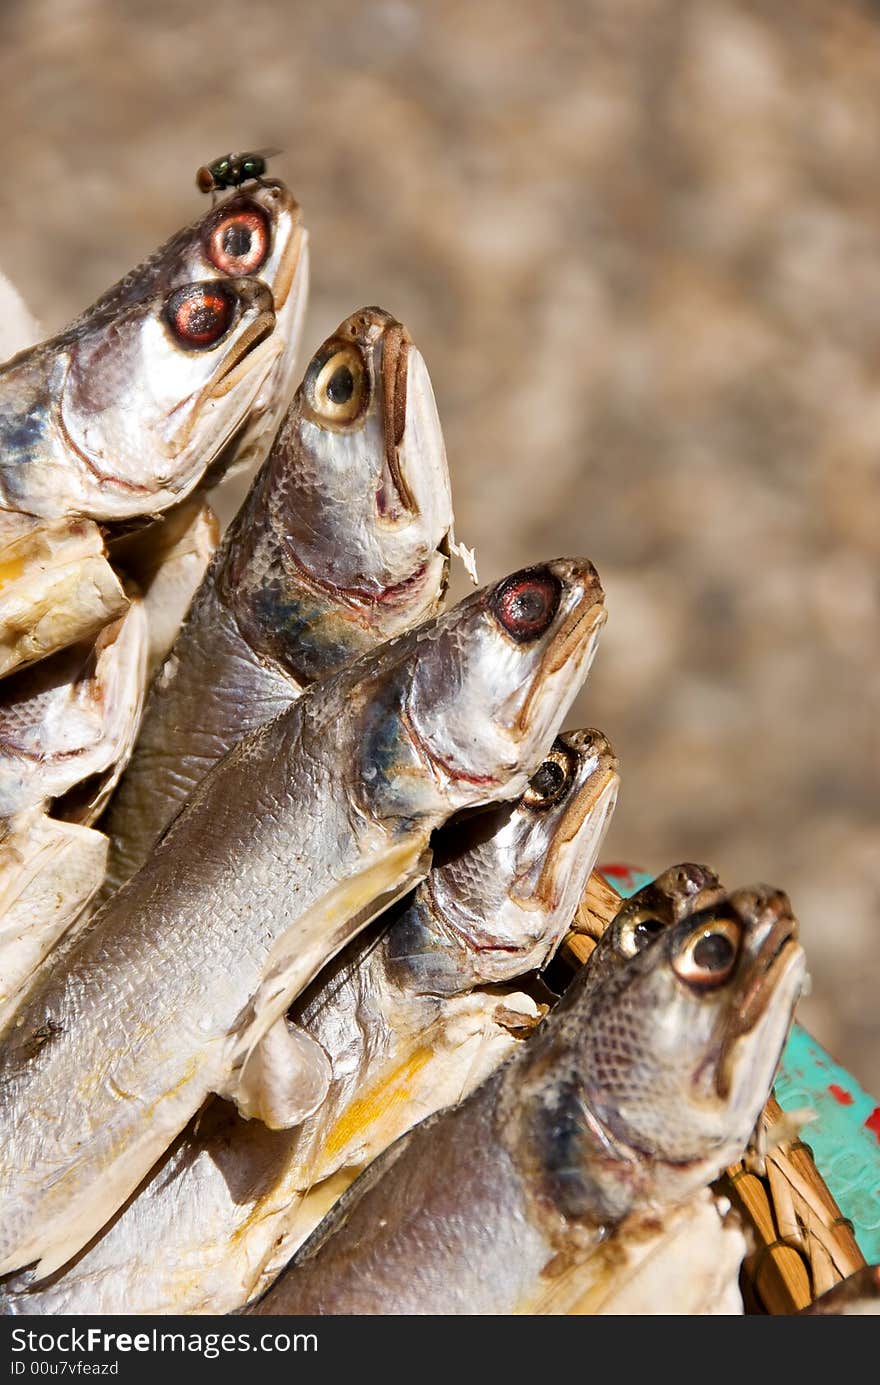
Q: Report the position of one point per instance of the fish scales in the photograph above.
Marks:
(409, 1026)
(523, 1196)
(275, 862)
(314, 570)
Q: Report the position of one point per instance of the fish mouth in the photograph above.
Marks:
(357, 598)
(281, 203)
(779, 954)
(288, 266)
(773, 958)
(570, 642)
(395, 365)
(591, 807)
(233, 370)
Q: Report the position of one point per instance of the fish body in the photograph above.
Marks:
(304, 832)
(640, 1087)
(340, 544)
(221, 1214)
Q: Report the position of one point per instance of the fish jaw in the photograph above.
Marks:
(273, 397)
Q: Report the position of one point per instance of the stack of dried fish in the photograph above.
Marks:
(108, 434)
(350, 836)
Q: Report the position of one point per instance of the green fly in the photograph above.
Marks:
(231, 170)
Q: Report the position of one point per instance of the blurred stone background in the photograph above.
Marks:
(638, 242)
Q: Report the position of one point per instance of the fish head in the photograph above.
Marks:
(259, 234)
(147, 404)
(506, 882)
(682, 1038)
(495, 676)
(359, 467)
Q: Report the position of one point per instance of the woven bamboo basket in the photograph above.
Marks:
(802, 1243)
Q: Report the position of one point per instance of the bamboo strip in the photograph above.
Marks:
(599, 903)
(777, 1270)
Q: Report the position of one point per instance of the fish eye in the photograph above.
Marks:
(239, 241)
(708, 957)
(549, 781)
(199, 315)
(524, 605)
(337, 385)
(636, 932)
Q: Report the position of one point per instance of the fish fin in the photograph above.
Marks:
(318, 934)
(283, 1079)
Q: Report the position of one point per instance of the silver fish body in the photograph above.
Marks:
(222, 1213)
(305, 831)
(642, 1085)
(341, 544)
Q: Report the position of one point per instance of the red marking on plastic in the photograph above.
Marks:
(873, 1122)
(840, 1094)
(619, 872)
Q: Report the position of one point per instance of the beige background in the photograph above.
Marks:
(638, 242)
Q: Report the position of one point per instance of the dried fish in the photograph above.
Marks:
(301, 835)
(218, 1218)
(341, 543)
(636, 1091)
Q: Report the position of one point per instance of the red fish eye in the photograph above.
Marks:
(239, 242)
(200, 314)
(525, 604)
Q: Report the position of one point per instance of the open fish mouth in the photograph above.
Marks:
(259, 334)
(563, 648)
(595, 800)
(395, 367)
(777, 952)
(771, 975)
